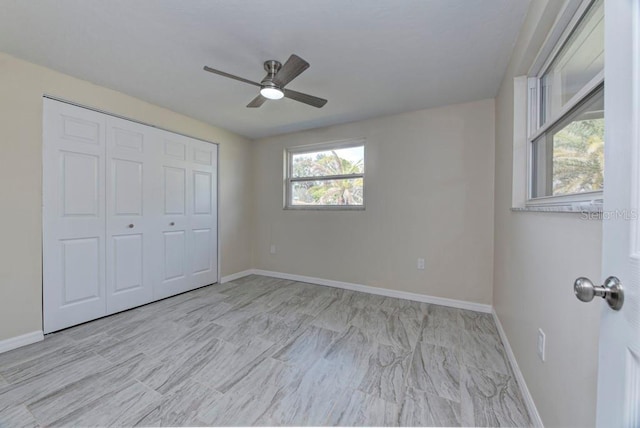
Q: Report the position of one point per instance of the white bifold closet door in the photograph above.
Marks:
(131, 204)
(203, 213)
(74, 216)
(187, 226)
(129, 214)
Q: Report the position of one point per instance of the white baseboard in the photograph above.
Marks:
(461, 304)
(19, 341)
(236, 275)
(526, 395)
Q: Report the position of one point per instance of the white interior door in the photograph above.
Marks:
(129, 214)
(131, 204)
(172, 224)
(187, 226)
(619, 355)
(73, 216)
(203, 214)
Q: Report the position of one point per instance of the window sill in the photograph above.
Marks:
(570, 209)
(325, 208)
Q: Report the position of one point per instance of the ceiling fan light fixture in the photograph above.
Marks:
(271, 93)
(278, 76)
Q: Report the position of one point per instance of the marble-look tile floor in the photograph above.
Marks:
(263, 351)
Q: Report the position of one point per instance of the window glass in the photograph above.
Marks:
(328, 162)
(569, 157)
(579, 60)
(328, 192)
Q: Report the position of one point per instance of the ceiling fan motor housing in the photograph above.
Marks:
(271, 67)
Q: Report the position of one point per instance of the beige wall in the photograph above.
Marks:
(537, 258)
(428, 193)
(22, 85)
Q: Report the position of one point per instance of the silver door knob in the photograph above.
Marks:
(611, 291)
(130, 226)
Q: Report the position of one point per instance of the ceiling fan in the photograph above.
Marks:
(272, 87)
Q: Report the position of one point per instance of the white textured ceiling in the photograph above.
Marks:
(368, 57)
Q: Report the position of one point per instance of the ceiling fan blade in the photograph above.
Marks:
(231, 76)
(290, 70)
(257, 101)
(304, 98)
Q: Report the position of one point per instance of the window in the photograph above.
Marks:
(566, 114)
(569, 157)
(326, 176)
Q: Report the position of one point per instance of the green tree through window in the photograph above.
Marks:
(333, 177)
(578, 157)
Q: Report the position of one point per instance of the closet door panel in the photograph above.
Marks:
(128, 184)
(128, 260)
(172, 221)
(130, 206)
(175, 249)
(175, 190)
(204, 233)
(80, 184)
(73, 215)
(81, 282)
(202, 192)
(202, 255)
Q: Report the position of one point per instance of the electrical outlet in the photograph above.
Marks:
(420, 264)
(541, 344)
(272, 249)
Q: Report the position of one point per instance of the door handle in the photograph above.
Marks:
(172, 223)
(611, 291)
(130, 226)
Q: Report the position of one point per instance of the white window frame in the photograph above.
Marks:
(564, 27)
(318, 147)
